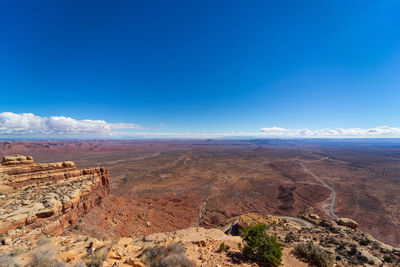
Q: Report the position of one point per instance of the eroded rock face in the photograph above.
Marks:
(40, 198)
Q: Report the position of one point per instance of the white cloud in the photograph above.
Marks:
(276, 132)
(28, 124)
(378, 132)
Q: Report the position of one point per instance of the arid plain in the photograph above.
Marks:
(159, 186)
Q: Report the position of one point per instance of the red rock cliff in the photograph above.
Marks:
(45, 198)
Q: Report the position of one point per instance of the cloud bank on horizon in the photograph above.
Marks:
(377, 132)
(26, 125)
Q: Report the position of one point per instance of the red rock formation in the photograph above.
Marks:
(45, 198)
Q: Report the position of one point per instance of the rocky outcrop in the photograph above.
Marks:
(347, 247)
(248, 219)
(347, 222)
(200, 245)
(44, 198)
(17, 160)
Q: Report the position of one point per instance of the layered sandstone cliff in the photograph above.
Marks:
(37, 198)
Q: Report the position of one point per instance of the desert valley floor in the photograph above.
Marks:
(159, 186)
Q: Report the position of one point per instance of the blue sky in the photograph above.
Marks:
(177, 67)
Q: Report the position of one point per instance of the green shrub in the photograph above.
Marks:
(361, 258)
(313, 254)
(387, 258)
(289, 238)
(223, 248)
(364, 242)
(261, 247)
(341, 246)
(353, 250)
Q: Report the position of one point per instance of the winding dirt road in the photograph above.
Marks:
(332, 207)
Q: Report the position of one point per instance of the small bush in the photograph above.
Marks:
(353, 250)
(364, 242)
(80, 264)
(341, 246)
(313, 254)
(167, 256)
(223, 248)
(261, 247)
(332, 240)
(98, 257)
(18, 251)
(175, 260)
(43, 254)
(7, 260)
(387, 258)
(361, 258)
(290, 237)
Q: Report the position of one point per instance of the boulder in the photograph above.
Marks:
(68, 164)
(347, 222)
(311, 217)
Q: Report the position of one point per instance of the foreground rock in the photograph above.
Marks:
(200, 247)
(345, 246)
(347, 222)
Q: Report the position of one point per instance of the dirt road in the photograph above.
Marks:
(332, 207)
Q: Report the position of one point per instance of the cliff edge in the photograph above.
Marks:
(43, 198)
